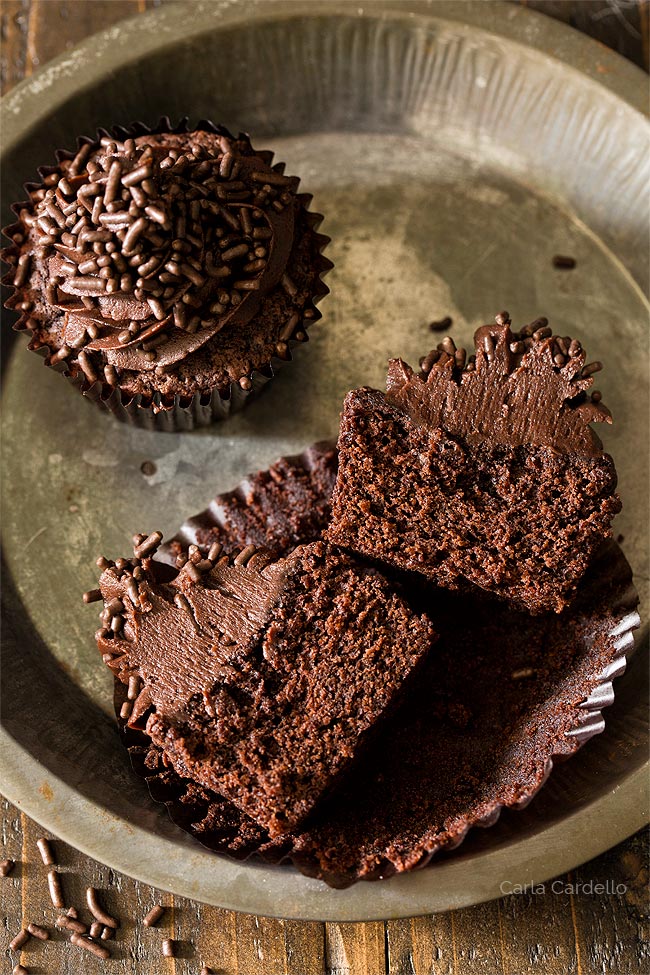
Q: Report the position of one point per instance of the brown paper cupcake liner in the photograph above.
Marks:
(454, 756)
(179, 413)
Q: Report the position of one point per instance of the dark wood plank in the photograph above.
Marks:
(355, 949)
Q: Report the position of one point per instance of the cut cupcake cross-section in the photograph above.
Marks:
(483, 472)
(259, 679)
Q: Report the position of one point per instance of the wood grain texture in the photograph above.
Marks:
(554, 931)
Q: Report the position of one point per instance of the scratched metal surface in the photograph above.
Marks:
(451, 164)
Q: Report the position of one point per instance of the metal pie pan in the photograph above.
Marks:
(454, 148)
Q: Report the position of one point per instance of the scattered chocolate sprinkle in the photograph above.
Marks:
(289, 286)
(92, 596)
(22, 270)
(96, 929)
(192, 572)
(87, 367)
(215, 551)
(442, 325)
(82, 941)
(70, 924)
(97, 911)
(6, 866)
(149, 545)
(148, 468)
(563, 262)
(45, 849)
(502, 318)
(125, 710)
(288, 329)
(62, 354)
(447, 345)
(56, 892)
(169, 948)
(20, 939)
(591, 368)
(245, 555)
(110, 374)
(153, 916)
(20, 970)
(38, 932)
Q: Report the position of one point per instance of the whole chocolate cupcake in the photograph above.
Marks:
(166, 273)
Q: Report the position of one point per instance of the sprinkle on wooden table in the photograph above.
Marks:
(20, 970)
(38, 932)
(21, 939)
(71, 924)
(6, 866)
(82, 941)
(56, 892)
(107, 934)
(97, 911)
(153, 916)
(46, 852)
(96, 929)
(169, 948)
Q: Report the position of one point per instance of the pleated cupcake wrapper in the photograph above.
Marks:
(589, 720)
(182, 412)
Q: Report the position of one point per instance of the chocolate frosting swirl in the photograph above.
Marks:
(160, 241)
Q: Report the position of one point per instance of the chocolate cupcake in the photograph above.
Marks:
(166, 273)
(260, 679)
(503, 697)
(485, 473)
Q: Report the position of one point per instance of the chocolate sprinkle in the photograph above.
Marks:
(54, 885)
(563, 262)
(6, 866)
(19, 940)
(154, 915)
(44, 846)
(97, 911)
(71, 924)
(82, 941)
(169, 948)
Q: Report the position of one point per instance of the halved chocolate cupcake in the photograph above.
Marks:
(166, 273)
(262, 680)
(504, 695)
(483, 473)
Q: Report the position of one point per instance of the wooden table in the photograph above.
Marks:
(555, 932)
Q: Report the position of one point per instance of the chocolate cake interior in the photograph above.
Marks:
(489, 475)
(262, 680)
